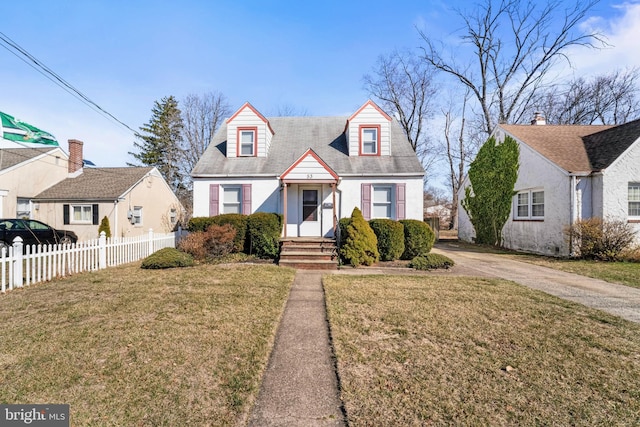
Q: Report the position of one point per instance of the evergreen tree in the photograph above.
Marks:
(493, 175)
(160, 142)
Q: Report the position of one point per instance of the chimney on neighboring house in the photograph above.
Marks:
(538, 119)
(75, 157)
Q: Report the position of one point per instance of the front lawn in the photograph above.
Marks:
(126, 346)
(433, 350)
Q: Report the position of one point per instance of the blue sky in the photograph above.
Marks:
(311, 56)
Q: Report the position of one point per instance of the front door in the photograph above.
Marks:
(310, 212)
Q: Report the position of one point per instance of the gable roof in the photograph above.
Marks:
(564, 145)
(95, 184)
(606, 146)
(10, 157)
(293, 136)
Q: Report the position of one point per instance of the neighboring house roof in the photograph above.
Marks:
(96, 184)
(606, 146)
(10, 157)
(293, 136)
(562, 144)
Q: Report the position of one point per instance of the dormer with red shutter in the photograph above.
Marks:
(368, 131)
(248, 133)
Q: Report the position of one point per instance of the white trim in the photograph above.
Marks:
(632, 184)
(529, 204)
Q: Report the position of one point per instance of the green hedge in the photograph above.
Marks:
(430, 262)
(390, 236)
(239, 222)
(200, 223)
(418, 238)
(167, 258)
(263, 234)
(360, 243)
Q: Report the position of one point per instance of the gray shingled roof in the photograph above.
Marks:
(10, 157)
(293, 136)
(606, 146)
(95, 184)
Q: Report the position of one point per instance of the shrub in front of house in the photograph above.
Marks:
(601, 239)
(263, 234)
(390, 235)
(167, 258)
(360, 243)
(200, 223)
(194, 244)
(343, 223)
(104, 226)
(418, 238)
(430, 262)
(239, 222)
(216, 242)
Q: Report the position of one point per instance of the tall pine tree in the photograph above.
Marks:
(160, 142)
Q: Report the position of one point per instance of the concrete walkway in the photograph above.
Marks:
(619, 300)
(300, 385)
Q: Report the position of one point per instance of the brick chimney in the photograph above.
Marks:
(538, 119)
(75, 157)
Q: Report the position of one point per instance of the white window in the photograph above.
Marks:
(529, 204)
(382, 201)
(369, 138)
(232, 199)
(634, 199)
(23, 209)
(247, 140)
(137, 215)
(81, 214)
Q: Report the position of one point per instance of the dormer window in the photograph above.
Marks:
(369, 140)
(247, 142)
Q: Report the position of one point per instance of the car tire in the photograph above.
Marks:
(66, 240)
(4, 245)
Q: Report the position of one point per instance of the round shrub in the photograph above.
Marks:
(418, 238)
(200, 223)
(167, 258)
(360, 243)
(263, 234)
(239, 222)
(430, 262)
(390, 235)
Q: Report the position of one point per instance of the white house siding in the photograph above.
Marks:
(247, 118)
(309, 168)
(615, 181)
(265, 194)
(369, 116)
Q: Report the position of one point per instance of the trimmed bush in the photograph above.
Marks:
(239, 222)
(390, 235)
(104, 226)
(216, 242)
(431, 262)
(194, 244)
(167, 258)
(343, 223)
(360, 243)
(418, 238)
(604, 240)
(200, 223)
(263, 234)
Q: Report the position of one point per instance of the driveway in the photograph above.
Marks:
(619, 300)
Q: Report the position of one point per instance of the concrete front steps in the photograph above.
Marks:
(308, 253)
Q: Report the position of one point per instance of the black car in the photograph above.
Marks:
(33, 233)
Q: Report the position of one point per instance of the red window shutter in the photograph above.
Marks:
(365, 206)
(246, 199)
(401, 198)
(214, 199)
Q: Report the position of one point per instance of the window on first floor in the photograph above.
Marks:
(229, 198)
(634, 199)
(80, 214)
(382, 201)
(232, 199)
(137, 215)
(529, 204)
(23, 209)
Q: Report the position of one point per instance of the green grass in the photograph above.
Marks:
(433, 350)
(127, 346)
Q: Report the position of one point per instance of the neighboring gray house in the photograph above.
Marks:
(312, 170)
(567, 173)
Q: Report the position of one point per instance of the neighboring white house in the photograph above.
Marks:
(567, 173)
(312, 170)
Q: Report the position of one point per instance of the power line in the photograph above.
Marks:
(39, 66)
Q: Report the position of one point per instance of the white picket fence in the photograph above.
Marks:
(23, 266)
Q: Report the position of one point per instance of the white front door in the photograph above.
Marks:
(309, 200)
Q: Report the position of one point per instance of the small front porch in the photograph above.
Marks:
(309, 253)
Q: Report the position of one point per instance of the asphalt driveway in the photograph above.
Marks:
(619, 300)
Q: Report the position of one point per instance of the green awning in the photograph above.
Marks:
(18, 131)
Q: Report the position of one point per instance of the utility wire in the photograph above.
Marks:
(39, 66)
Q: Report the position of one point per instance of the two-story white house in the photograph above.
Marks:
(312, 170)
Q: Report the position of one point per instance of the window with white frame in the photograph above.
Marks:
(382, 201)
(529, 204)
(247, 140)
(634, 199)
(232, 199)
(81, 214)
(369, 138)
(24, 208)
(137, 215)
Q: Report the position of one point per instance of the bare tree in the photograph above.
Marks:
(610, 98)
(289, 110)
(404, 87)
(514, 45)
